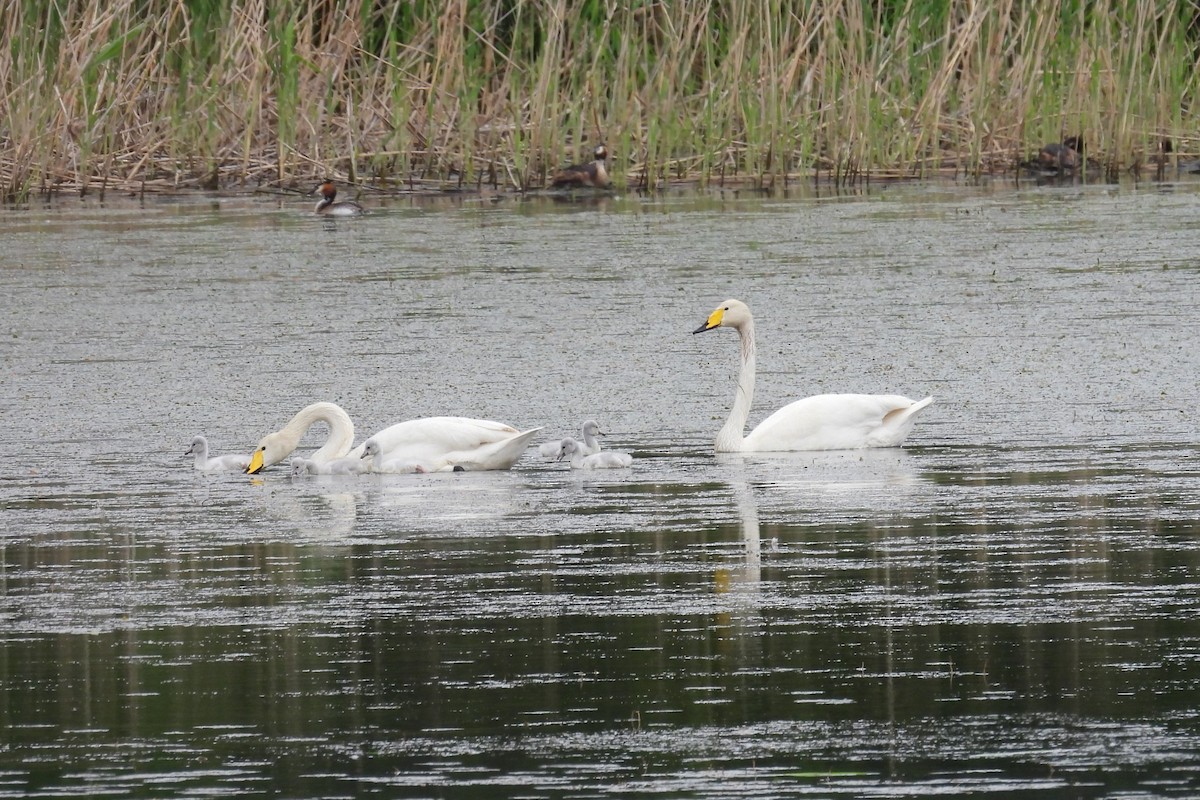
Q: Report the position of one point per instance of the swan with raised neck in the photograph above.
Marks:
(820, 422)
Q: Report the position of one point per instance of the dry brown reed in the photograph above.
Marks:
(156, 95)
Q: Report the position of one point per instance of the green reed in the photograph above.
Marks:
(167, 94)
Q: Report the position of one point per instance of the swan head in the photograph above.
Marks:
(199, 445)
(730, 314)
(272, 448)
(567, 448)
(371, 449)
(299, 465)
(591, 428)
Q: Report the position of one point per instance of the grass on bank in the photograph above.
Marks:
(168, 94)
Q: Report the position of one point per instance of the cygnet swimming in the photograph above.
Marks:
(338, 466)
(572, 451)
(372, 457)
(231, 463)
(589, 445)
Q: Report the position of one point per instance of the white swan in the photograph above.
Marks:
(337, 466)
(474, 444)
(590, 444)
(442, 443)
(231, 463)
(571, 450)
(821, 422)
(275, 447)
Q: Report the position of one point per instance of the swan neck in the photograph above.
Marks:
(730, 438)
(341, 430)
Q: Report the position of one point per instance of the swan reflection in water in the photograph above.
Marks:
(829, 483)
(316, 509)
(743, 579)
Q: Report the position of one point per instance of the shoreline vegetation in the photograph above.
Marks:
(495, 95)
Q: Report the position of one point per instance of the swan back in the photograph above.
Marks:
(837, 422)
(475, 444)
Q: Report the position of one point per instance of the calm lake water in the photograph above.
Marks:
(1007, 606)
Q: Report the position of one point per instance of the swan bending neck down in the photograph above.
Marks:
(820, 422)
(434, 443)
(275, 447)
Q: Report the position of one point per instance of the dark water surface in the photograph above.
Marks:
(1008, 606)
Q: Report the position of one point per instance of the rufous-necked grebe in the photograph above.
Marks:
(346, 208)
(593, 175)
(1065, 156)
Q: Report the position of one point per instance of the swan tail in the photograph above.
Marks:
(900, 415)
(897, 424)
(497, 455)
(515, 447)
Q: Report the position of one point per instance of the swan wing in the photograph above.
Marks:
(837, 422)
(473, 443)
(494, 455)
(437, 435)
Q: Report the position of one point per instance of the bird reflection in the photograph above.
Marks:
(750, 573)
(744, 578)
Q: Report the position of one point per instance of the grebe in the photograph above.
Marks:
(593, 175)
(326, 207)
(1065, 156)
